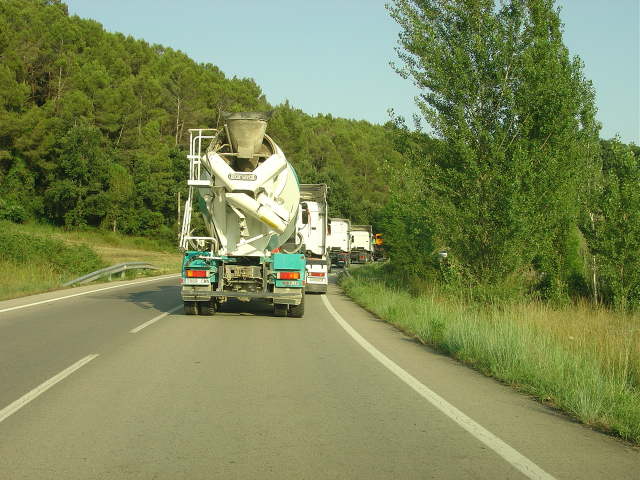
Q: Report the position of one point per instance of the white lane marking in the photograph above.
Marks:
(43, 387)
(508, 453)
(154, 320)
(86, 293)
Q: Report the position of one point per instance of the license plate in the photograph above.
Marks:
(196, 281)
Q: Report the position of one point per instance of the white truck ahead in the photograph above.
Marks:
(312, 229)
(339, 241)
(361, 243)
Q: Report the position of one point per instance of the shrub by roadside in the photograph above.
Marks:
(35, 258)
(595, 380)
(48, 252)
(31, 263)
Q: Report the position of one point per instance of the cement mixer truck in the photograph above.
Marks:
(247, 196)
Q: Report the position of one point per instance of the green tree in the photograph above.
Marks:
(120, 195)
(516, 119)
(612, 227)
(81, 176)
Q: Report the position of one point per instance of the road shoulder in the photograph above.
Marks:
(63, 294)
(562, 447)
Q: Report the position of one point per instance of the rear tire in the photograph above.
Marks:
(208, 308)
(190, 308)
(280, 309)
(297, 311)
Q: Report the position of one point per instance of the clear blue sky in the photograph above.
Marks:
(332, 56)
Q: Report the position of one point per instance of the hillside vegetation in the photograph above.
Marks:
(94, 127)
(36, 258)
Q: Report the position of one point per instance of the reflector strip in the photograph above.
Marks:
(288, 275)
(197, 273)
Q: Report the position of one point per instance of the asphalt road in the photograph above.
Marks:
(247, 395)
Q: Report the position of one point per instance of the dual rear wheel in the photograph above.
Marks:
(211, 307)
(283, 310)
(280, 309)
(203, 308)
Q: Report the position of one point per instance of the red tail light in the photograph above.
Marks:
(288, 275)
(197, 273)
(316, 274)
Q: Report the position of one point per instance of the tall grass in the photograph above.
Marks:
(34, 263)
(89, 235)
(583, 361)
(18, 279)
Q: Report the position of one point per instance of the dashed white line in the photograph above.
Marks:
(18, 307)
(43, 387)
(508, 453)
(154, 319)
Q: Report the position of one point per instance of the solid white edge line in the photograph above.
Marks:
(43, 387)
(86, 293)
(154, 319)
(508, 453)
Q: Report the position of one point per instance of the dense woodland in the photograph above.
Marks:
(94, 127)
(513, 181)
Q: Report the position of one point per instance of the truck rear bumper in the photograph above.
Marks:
(201, 295)
(316, 288)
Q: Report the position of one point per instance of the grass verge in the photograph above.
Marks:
(582, 361)
(37, 258)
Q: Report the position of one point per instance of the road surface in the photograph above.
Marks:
(102, 385)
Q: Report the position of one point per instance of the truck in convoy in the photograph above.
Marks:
(248, 196)
(312, 229)
(361, 244)
(378, 247)
(339, 241)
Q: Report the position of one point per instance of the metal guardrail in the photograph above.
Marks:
(120, 268)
